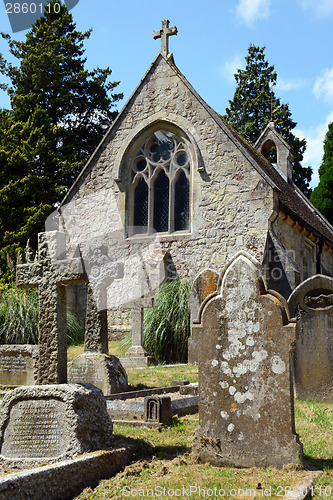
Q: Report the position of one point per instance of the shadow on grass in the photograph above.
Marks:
(311, 463)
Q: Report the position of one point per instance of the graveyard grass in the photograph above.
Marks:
(162, 457)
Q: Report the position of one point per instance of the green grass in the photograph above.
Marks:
(162, 459)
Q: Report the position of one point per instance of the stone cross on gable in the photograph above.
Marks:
(164, 34)
(50, 273)
(101, 271)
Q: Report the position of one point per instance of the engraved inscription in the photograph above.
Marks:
(35, 429)
(88, 373)
(15, 363)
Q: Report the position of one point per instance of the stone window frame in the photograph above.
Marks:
(141, 139)
(309, 258)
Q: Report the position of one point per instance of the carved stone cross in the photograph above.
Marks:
(101, 271)
(164, 34)
(50, 273)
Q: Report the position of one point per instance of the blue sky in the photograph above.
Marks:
(212, 41)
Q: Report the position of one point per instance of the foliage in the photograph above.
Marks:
(60, 111)
(322, 195)
(167, 324)
(250, 110)
(19, 318)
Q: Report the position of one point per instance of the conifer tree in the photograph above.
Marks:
(322, 195)
(60, 111)
(255, 104)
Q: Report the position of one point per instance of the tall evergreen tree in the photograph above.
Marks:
(254, 105)
(322, 195)
(60, 111)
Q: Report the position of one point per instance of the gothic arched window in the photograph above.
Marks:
(160, 185)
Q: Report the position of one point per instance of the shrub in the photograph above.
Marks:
(167, 325)
(19, 318)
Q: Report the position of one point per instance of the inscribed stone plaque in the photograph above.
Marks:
(104, 371)
(245, 399)
(51, 423)
(18, 365)
(312, 304)
(204, 285)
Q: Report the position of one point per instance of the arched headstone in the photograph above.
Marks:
(312, 305)
(204, 285)
(245, 393)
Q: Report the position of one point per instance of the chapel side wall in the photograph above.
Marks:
(298, 254)
(231, 202)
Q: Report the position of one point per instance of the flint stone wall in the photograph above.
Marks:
(18, 365)
(52, 423)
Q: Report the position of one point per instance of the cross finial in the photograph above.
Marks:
(164, 34)
(272, 100)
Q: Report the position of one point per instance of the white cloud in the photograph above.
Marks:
(252, 10)
(287, 85)
(315, 137)
(322, 8)
(230, 67)
(323, 87)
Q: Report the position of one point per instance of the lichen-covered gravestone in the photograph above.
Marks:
(52, 423)
(245, 397)
(204, 285)
(312, 305)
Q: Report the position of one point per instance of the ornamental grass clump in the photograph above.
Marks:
(19, 318)
(167, 324)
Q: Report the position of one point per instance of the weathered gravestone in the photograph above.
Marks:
(18, 365)
(95, 366)
(312, 305)
(50, 273)
(246, 413)
(204, 285)
(52, 422)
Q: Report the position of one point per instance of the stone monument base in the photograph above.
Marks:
(137, 355)
(104, 371)
(49, 423)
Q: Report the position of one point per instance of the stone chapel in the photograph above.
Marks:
(171, 170)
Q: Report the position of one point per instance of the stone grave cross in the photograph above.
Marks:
(101, 271)
(164, 34)
(50, 273)
(137, 350)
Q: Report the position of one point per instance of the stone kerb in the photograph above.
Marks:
(246, 415)
(203, 286)
(52, 423)
(311, 303)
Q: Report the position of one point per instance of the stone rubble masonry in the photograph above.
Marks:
(50, 423)
(231, 202)
(246, 415)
